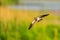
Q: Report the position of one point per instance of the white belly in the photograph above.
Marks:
(38, 18)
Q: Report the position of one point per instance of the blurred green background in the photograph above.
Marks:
(14, 24)
(9, 2)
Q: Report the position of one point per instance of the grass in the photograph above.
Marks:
(15, 26)
(13, 30)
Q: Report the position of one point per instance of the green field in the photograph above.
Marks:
(14, 25)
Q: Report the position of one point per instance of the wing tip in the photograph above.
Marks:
(30, 27)
(44, 15)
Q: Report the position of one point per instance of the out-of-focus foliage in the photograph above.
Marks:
(59, 32)
(9, 2)
(17, 31)
(14, 26)
(50, 31)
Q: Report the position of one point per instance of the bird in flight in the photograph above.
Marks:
(37, 19)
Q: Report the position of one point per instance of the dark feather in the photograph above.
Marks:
(30, 26)
(44, 15)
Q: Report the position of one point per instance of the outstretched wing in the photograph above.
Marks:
(30, 26)
(36, 20)
(44, 15)
(32, 23)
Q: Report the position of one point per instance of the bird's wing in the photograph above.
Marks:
(44, 15)
(32, 24)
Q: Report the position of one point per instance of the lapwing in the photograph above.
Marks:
(37, 19)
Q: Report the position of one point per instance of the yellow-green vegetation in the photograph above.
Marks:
(14, 25)
(9, 2)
